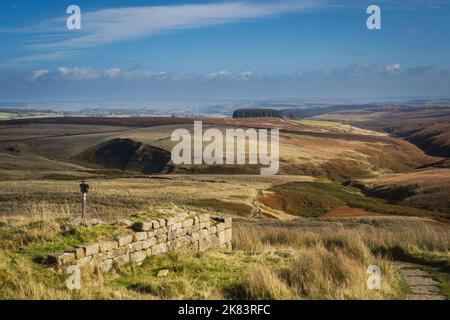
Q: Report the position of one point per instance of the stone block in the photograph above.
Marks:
(143, 226)
(78, 252)
(212, 230)
(155, 224)
(162, 222)
(204, 233)
(137, 246)
(123, 259)
(222, 238)
(162, 238)
(124, 239)
(228, 222)
(106, 265)
(176, 226)
(187, 223)
(90, 249)
(84, 261)
(204, 217)
(228, 235)
(139, 236)
(120, 251)
(221, 226)
(215, 242)
(204, 244)
(149, 242)
(138, 256)
(171, 221)
(205, 224)
(61, 259)
(108, 245)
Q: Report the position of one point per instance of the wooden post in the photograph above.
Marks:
(84, 187)
(83, 205)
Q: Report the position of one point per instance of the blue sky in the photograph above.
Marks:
(223, 49)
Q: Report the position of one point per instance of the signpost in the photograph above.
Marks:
(84, 188)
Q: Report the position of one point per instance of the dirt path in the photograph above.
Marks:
(420, 282)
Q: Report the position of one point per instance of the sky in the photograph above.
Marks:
(252, 49)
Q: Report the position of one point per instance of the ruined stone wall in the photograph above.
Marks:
(153, 237)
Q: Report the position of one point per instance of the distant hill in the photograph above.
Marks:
(257, 113)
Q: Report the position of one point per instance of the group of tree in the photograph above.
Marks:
(257, 113)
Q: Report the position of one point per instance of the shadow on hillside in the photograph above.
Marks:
(399, 254)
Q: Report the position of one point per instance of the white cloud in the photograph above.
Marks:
(38, 74)
(394, 68)
(78, 73)
(219, 75)
(112, 73)
(245, 75)
(118, 24)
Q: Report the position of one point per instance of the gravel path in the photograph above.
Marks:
(420, 282)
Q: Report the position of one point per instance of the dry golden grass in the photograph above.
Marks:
(331, 263)
(299, 260)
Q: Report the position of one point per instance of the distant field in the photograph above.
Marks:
(345, 198)
(427, 126)
(7, 115)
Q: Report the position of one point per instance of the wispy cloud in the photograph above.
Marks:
(120, 24)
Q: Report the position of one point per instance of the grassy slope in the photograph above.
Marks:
(313, 199)
(267, 263)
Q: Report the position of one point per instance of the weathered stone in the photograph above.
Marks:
(137, 246)
(124, 239)
(187, 223)
(78, 252)
(149, 242)
(156, 249)
(228, 235)
(195, 236)
(106, 265)
(155, 224)
(196, 220)
(204, 217)
(162, 222)
(84, 261)
(137, 257)
(124, 222)
(139, 236)
(171, 221)
(215, 242)
(123, 259)
(162, 238)
(151, 234)
(163, 247)
(221, 226)
(92, 222)
(204, 244)
(212, 230)
(171, 235)
(176, 226)
(143, 226)
(90, 249)
(228, 222)
(204, 233)
(108, 245)
(163, 273)
(195, 245)
(205, 225)
(221, 237)
(118, 252)
(61, 259)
